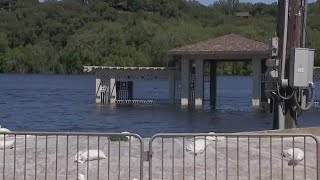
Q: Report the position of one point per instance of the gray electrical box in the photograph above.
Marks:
(301, 67)
(311, 64)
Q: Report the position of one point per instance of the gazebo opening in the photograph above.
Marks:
(197, 58)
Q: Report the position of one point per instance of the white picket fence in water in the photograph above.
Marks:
(148, 92)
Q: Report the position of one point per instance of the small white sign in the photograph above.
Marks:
(300, 70)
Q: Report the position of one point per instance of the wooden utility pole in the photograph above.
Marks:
(295, 38)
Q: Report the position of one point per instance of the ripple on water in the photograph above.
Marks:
(66, 103)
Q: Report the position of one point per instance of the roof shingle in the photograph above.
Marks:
(228, 44)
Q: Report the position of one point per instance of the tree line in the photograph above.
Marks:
(62, 36)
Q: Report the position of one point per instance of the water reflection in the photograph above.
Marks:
(66, 103)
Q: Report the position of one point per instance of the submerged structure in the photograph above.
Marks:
(185, 84)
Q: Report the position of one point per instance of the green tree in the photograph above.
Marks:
(62, 36)
(228, 6)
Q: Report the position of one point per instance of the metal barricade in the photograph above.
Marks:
(233, 156)
(42, 155)
(36, 155)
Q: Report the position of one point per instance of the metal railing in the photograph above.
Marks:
(263, 78)
(104, 97)
(70, 156)
(85, 156)
(143, 101)
(225, 156)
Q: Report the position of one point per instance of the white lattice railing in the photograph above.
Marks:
(163, 76)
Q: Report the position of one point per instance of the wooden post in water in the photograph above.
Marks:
(295, 38)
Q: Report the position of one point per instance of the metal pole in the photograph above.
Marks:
(278, 116)
(304, 36)
(291, 23)
(285, 39)
(304, 96)
(282, 33)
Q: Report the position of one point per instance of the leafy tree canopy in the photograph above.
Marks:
(62, 36)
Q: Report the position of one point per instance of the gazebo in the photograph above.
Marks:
(221, 49)
(185, 87)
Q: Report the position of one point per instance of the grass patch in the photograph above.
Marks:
(119, 138)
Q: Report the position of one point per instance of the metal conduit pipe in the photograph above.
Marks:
(312, 90)
(285, 39)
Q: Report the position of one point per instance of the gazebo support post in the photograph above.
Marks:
(199, 83)
(256, 94)
(185, 81)
(213, 84)
(172, 86)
